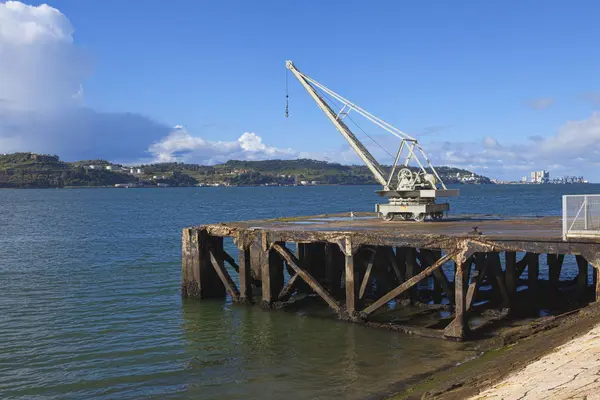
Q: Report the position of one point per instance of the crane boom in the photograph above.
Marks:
(414, 195)
(358, 147)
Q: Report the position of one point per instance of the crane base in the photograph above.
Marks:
(416, 212)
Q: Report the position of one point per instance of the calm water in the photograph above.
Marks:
(90, 304)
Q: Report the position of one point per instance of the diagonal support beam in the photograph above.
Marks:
(407, 285)
(287, 290)
(399, 272)
(224, 276)
(495, 268)
(521, 265)
(440, 276)
(363, 286)
(476, 278)
(231, 261)
(293, 262)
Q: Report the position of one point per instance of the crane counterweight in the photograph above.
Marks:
(413, 195)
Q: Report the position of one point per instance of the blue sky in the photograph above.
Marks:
(493, 74)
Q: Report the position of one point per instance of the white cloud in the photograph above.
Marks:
(181, 146)
(575, 139)
(42, 90)
(574, 149)
(40, 68)
(42, 76)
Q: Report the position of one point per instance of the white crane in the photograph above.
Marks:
(413, 194)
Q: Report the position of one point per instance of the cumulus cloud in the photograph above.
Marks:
(541, 103)
(42, 109)
(42, 76)
(181, 146)
(40, 66)
(574, 148)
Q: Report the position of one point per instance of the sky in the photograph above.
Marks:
(499, 87)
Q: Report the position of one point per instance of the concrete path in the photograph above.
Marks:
(572, 371)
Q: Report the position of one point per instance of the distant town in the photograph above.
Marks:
(543, 177)
(30, 170)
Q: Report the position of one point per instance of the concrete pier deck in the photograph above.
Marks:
(371, 271)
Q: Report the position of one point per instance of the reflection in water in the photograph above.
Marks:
(243, 351)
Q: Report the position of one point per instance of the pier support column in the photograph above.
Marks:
(593, 257)
(245, 275)
(582, 278)
(412, 269)
(533, 273)
(510, 276)
(334, 268)
(349, 250)
(555, 262)
(271, 274)
(199, 278)
(459, 327)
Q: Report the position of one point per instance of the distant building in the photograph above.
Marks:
(91, 166)
(108, 167)
(540, 176)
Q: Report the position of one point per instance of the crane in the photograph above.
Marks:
(412, 196)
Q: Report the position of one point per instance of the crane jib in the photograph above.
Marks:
(414, 195)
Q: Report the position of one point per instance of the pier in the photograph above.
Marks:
(452, 278)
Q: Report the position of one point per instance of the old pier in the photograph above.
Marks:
(447, 278)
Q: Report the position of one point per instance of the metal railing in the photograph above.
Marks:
(581, 216)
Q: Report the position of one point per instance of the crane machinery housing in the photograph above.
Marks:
(412, 195)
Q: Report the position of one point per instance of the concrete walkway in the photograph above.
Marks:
(572, 371)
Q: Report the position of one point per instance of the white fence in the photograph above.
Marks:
(581, 216)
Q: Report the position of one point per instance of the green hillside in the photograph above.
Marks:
(28, 170)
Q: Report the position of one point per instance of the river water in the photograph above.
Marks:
(90, 304)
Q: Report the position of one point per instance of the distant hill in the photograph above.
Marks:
(29, 170)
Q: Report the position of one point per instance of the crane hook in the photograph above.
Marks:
(287, 108)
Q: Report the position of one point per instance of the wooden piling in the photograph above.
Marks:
(459, 327)
(412, 269)
(555, 262)
(245, 275)
(334, 269)
(495, 269)
(351, 285)
(200, 279)
(510, 276)
(533, 272)
(582, 278)
(272, 275)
